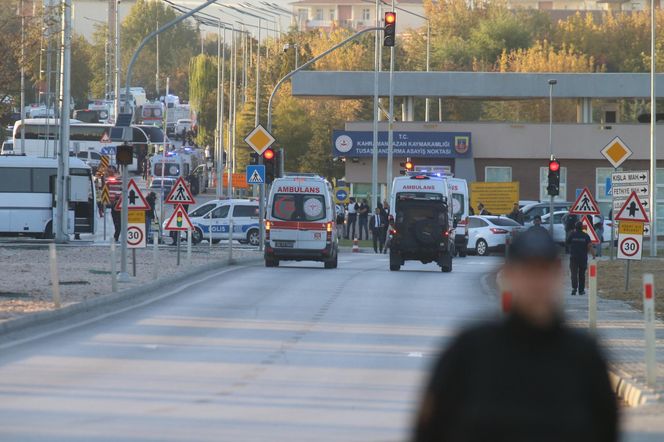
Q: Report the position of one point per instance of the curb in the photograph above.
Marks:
(132, 295)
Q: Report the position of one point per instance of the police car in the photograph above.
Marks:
(215, 216)
(301, 221)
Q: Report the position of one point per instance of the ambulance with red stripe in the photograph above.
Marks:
(300, 221)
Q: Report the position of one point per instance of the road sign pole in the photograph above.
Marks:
(189, 233)
(114, 274)
(613, 222)
(133, 262)
(104, 213)
(155, 256)
(124, 276)
(230, 240)
(261, 216)
(592, 295)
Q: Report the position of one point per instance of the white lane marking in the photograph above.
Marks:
(415, 354)
(117, 312)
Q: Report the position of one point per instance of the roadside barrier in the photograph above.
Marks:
(649, 316)
(356, 246)
(592, 295)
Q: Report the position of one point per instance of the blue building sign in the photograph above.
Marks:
(406, 144)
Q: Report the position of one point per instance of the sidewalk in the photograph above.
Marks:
(621, 333)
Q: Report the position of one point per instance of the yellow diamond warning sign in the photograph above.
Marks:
(259, 139)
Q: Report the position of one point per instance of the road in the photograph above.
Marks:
(295, 353)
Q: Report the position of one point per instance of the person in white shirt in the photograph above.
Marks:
(352, 219)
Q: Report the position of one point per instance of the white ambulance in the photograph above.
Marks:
(300, 221)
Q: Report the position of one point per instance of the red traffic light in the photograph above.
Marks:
(390, 18)
(554, 166)
(268, 154)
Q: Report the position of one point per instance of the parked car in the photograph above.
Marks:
(7, 148)
(530, 211)
(155, 186)
(488, 234)
(559, 220)
(89, 157)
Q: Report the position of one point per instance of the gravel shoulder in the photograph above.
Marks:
(85, 273)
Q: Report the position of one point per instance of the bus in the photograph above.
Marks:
(27, 196)
(41, 135)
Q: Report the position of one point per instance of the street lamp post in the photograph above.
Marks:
(552, 82)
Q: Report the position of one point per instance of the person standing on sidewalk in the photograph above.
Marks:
(363, 219)
(528, 377)
(579, 245)
(352, 219)
(378, 226)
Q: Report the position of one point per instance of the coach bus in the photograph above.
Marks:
(41, 135)
(27, 196)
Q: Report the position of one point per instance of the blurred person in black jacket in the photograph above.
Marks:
(526, 378)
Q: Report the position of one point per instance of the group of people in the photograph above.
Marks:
(359, 214)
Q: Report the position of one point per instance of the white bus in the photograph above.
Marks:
(41, 135)
(27, 195)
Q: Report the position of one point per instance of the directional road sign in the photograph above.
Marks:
(632, 210)
(585, 204)
(626, 191)
(256, 174)
(619, 203)
(590, 230)
(135, 198)
(631, 178)
(180, 194)
(259, 139)
(616, 152)
(179, 220)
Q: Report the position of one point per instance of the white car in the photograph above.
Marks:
(182, 126)
(487, 234)
(559, 219)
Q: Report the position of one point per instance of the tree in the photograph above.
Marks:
(203, 95)
(176, 46)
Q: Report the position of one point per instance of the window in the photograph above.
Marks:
(201, 211)
(495, 174)
(289, 207)
(475, 223)
(504, 222)
(82, 155)
(331, 14)
(318, 15)
(366, 14)
(86, 133)
(245, 211)
(602, 178)
(544, 181)
(15, 180)
(41, 179)
(220, 212)
(95, 156)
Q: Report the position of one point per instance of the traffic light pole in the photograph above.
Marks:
(390, 127)
(551, 83)
(304, 66)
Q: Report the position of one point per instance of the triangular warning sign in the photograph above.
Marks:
(255, 178)
(179, 220)
(590, 230)
(632, 210)
(105, 138)
(180, 194)
(135, 198)
(585, 204)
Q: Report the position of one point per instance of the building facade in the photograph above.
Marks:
(353, 14)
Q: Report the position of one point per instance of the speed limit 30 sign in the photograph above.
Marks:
(136, 236)
(630, 246)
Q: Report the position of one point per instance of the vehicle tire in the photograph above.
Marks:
(331, 263)
(215, 241)
(482, 247)
(463, 252)
(48, 232)
(271, 262)
(395, 267)
(253, 237)
(196, 236)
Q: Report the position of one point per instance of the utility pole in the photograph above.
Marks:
(218, 151)
(62, 183)
(374, 156)
(22, 12)
(116, 37)
(390, 128)
(261, 187)
(156, 77)
(653, 125)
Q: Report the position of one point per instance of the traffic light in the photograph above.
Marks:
(553, 187)
(269, 160)
(253, 158)
(124, 155)
(389, 33)
(407, 166)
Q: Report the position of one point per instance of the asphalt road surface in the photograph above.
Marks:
(295, 353)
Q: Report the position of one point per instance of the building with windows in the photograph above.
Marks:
(353, 14)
